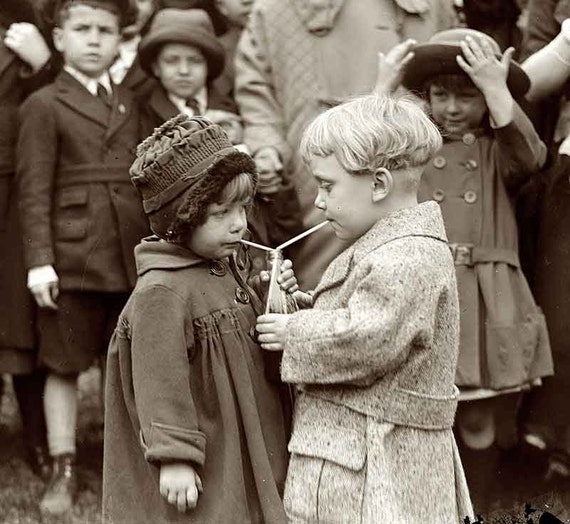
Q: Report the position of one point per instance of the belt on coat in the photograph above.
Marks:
(398, 406)
(93, 173)
(469, 255)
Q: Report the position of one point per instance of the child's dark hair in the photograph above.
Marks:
(56, 12)
(450, 82)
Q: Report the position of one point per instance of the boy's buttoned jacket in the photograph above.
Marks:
(79, 209)
(375, 361)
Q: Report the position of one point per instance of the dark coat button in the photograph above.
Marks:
(218, 268)
(438, 195)
(440, 162)
(242, 296)
(469, 139)
(470, 197)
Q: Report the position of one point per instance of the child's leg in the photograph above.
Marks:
(506, 409)
(476, 431)
(60, 404)
(29, 390)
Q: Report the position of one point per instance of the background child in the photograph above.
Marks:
(490, 149)
(190, 416)
(19, 74)
(375, 356)
(81, 217)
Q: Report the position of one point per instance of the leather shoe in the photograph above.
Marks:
(58, 497)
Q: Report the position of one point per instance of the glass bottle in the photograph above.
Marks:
(277, 301)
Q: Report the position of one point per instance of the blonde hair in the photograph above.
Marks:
(372, 132)
(241, 188)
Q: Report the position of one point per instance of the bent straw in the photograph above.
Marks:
(258, 246)
(301, 235)
(289, 242)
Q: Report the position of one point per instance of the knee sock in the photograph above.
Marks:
(60, 404)
(29, 390)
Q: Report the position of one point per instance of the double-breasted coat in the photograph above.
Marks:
(185, 383)
(504, 341)
(375, 363)
(78, 207)
(295, 59)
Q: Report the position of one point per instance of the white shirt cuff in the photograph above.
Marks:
(41, 275)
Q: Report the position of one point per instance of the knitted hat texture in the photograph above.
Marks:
(188, 160)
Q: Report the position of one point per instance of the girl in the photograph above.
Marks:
(191, 421)
(490, 149)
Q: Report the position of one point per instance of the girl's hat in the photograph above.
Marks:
(184, 26)
(183, 166)
(438, 57)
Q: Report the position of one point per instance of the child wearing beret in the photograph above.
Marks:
(194, 432)
(81, 217)
(490, 149)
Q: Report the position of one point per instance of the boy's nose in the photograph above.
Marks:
(319, 202)
(183, 67)
(94, 37)
(452, 104)
(239, 222)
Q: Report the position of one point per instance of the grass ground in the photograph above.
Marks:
(21, 491)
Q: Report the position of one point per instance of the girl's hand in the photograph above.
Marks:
(271, 329)
(486, 71)
(286, 278)
(391, 66)
(180, 485)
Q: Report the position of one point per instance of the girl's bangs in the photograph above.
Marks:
(239, 189)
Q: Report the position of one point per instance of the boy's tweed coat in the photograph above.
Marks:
(79, 210)
(375, 360)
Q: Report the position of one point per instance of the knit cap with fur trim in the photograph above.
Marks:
(181, 169)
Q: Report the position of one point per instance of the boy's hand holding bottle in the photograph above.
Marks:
(180, 485)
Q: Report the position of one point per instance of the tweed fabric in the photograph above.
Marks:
(375, 362)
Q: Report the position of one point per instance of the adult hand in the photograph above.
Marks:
(269, 168)
(25, 41)
(391, 66)
(180, 485)
(271, 329)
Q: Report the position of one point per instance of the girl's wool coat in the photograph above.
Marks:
(375, 362)
(185, 383)
(504, 342)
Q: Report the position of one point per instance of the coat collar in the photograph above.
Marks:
(6, 56)
(423, 220)
(152, 253)
(161, 104)
(73, 94)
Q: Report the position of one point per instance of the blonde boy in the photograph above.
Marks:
(374, 356)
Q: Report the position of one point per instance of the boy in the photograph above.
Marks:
(374, 358)
(81, 217)
(182, 52)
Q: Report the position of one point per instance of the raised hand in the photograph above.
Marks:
(391, 66)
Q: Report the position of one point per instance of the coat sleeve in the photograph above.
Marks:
(391, 308)
(541, 28)
(255, 91)
(161, 339)
(37, 156)
(518, 150)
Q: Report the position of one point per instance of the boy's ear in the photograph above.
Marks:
(382, 184)
(57, 35)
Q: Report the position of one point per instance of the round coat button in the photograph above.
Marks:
(440, 162)
(470, 197)
(217, 268)
(469, 139)
(242, 296)
(438, 195)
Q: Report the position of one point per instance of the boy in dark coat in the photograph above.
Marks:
(81, 217)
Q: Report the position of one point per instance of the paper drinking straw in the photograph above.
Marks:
(301, 235)
(258, 246)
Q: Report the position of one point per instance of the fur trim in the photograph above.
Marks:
(195, 202)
